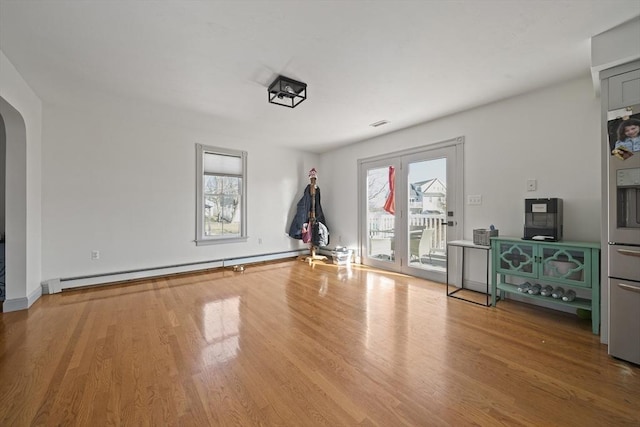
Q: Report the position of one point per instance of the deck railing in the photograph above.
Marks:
(382, 226)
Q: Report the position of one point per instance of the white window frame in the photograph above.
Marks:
(201, 239)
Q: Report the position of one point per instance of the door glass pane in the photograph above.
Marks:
(427, 207)
(381, 213)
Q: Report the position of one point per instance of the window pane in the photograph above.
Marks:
(380, 222)
(222, 205)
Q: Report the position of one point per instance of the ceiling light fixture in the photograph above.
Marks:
(287, 92)
(380, 123)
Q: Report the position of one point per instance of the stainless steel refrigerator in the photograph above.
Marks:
(624, 235)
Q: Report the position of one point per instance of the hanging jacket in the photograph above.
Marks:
(302, 212)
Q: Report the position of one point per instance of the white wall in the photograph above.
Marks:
(22, 111)
(122, 181)
(551, 135)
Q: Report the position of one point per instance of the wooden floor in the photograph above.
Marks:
(297, 345)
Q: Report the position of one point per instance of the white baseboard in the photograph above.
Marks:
(17, 304)
(476, 286)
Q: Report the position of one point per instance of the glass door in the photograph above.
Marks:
(433, 210)
(380, 220)
(427, 214)
(412, 207)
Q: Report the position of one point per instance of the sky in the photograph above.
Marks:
(422, 171)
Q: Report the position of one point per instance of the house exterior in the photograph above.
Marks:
(432, 196)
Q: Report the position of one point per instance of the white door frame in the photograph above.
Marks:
(455, 203)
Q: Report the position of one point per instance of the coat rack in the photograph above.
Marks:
(313, 176)
(309, 223)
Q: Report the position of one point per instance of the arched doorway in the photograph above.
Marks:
(13, 162)
(3, 183)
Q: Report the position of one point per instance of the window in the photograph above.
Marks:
(221, 195)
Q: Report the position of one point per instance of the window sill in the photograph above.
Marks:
(206, 242)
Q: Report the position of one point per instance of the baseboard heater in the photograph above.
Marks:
(53, 286)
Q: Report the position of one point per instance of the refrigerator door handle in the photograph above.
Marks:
(629, 287)
(629, 252)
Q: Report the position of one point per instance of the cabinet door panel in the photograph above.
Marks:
(624, 90)
(517, 258)
(566, 265)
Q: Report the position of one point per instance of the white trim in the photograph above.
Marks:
(23, 303)
(16, 304)
(453, 150)
(200, 239)
(474, 285)
(457, 141)
(219, 240)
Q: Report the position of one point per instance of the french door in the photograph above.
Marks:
(410, 206)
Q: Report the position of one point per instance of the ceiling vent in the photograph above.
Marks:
(287, 92)
(380, 123)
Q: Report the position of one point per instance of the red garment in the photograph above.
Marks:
(390, 204)
(306, 233)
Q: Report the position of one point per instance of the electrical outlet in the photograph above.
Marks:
(532, 185)
(259, 240)
(95, 255)
(474, 200)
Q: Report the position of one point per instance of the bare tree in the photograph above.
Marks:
(223, 194)
(377, 188)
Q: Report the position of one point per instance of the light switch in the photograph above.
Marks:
(532, 185)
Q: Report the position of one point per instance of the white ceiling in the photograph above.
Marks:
(403, 61)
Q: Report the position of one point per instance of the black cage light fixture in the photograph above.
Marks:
(287, 92)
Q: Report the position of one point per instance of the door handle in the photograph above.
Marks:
(629, 252)
(629, 287)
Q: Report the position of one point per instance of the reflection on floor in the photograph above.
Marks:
(435, 262)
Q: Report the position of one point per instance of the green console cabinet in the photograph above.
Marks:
(571, 265)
